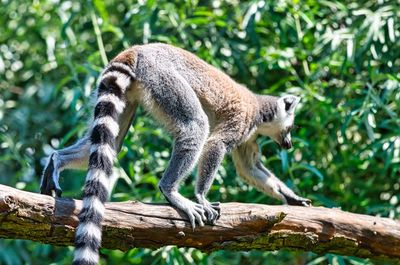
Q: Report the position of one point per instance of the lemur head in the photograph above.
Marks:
(278, 118)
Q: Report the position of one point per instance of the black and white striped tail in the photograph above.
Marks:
(116, 78)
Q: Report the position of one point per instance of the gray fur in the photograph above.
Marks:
(268, 108)
(208, 115)
(188, 123)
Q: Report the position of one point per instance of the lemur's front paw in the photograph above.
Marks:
(213, 210)
(294, 199)
(299, 201)
(50, 180)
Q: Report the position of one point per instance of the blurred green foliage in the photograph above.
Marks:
(341, 57)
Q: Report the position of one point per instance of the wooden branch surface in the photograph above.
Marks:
(26, 215)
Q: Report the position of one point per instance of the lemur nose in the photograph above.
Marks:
(286, 143)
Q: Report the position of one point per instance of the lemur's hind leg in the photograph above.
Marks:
(211, 158)
(76, 156)
(171, 100)
(186, 150)
(250, 168)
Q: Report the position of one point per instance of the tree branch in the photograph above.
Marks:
(37, 217)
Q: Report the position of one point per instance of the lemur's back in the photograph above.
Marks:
(217, 92)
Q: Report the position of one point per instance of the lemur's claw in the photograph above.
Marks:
(212, 210)
(216, 206)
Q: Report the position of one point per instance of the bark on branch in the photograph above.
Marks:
(37, 217)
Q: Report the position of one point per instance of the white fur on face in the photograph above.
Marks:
(289, 137)
(288, 99)
(283, 119)
(280, 123)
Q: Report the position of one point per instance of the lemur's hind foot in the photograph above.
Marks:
(74, 156)
(50, 177)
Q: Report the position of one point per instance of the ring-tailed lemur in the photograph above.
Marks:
(208, 115)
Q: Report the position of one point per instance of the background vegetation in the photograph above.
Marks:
(342, 58)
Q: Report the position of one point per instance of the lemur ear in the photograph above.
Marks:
(289, 102)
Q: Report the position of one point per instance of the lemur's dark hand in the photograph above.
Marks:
(299, 201)
(293, 199)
